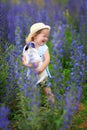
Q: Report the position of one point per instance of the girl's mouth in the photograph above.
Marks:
(43, 41)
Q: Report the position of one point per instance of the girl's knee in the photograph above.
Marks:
(47, 90)
(49, 94)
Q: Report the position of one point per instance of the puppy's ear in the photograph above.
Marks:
(26, 48)
(30, 44)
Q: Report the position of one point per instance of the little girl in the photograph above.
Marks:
(39, 33)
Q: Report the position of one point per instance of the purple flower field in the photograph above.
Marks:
(20, 101)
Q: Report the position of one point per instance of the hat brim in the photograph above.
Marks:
(38, 29)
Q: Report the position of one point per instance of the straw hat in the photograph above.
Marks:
(34, 28)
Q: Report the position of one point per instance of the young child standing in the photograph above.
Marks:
(39, 34)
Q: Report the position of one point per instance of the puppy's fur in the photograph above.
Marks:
(32, 56)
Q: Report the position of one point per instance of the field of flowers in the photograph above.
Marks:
(20, 107)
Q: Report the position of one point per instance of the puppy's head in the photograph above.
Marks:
(29, 45)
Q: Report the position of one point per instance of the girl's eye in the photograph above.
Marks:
(45, 36)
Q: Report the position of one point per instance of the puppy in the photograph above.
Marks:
(33, 57)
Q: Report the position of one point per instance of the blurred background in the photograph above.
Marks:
(19, 107)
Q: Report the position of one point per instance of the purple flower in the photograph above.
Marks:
(4, 122)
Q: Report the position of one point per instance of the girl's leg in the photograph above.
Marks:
(49, 94)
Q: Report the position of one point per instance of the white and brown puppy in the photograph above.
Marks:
(33, 57)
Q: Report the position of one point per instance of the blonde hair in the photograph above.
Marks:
(29, 39)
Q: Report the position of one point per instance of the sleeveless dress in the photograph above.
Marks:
(41, 52)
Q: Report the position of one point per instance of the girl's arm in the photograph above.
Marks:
(45, 62)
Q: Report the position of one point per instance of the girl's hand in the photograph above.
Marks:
(39, 70)
(24, 62)
(23, 59)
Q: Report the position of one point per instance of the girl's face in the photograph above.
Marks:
(42, 37)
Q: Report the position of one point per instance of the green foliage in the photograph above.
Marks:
(23, 117)
(66, 73)
(19, 115)
(68, 35)
(3, 69)
(62, 2)
(84, 93)
(67, 40)
(69, 19)
(3, 73)
(79, 118)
